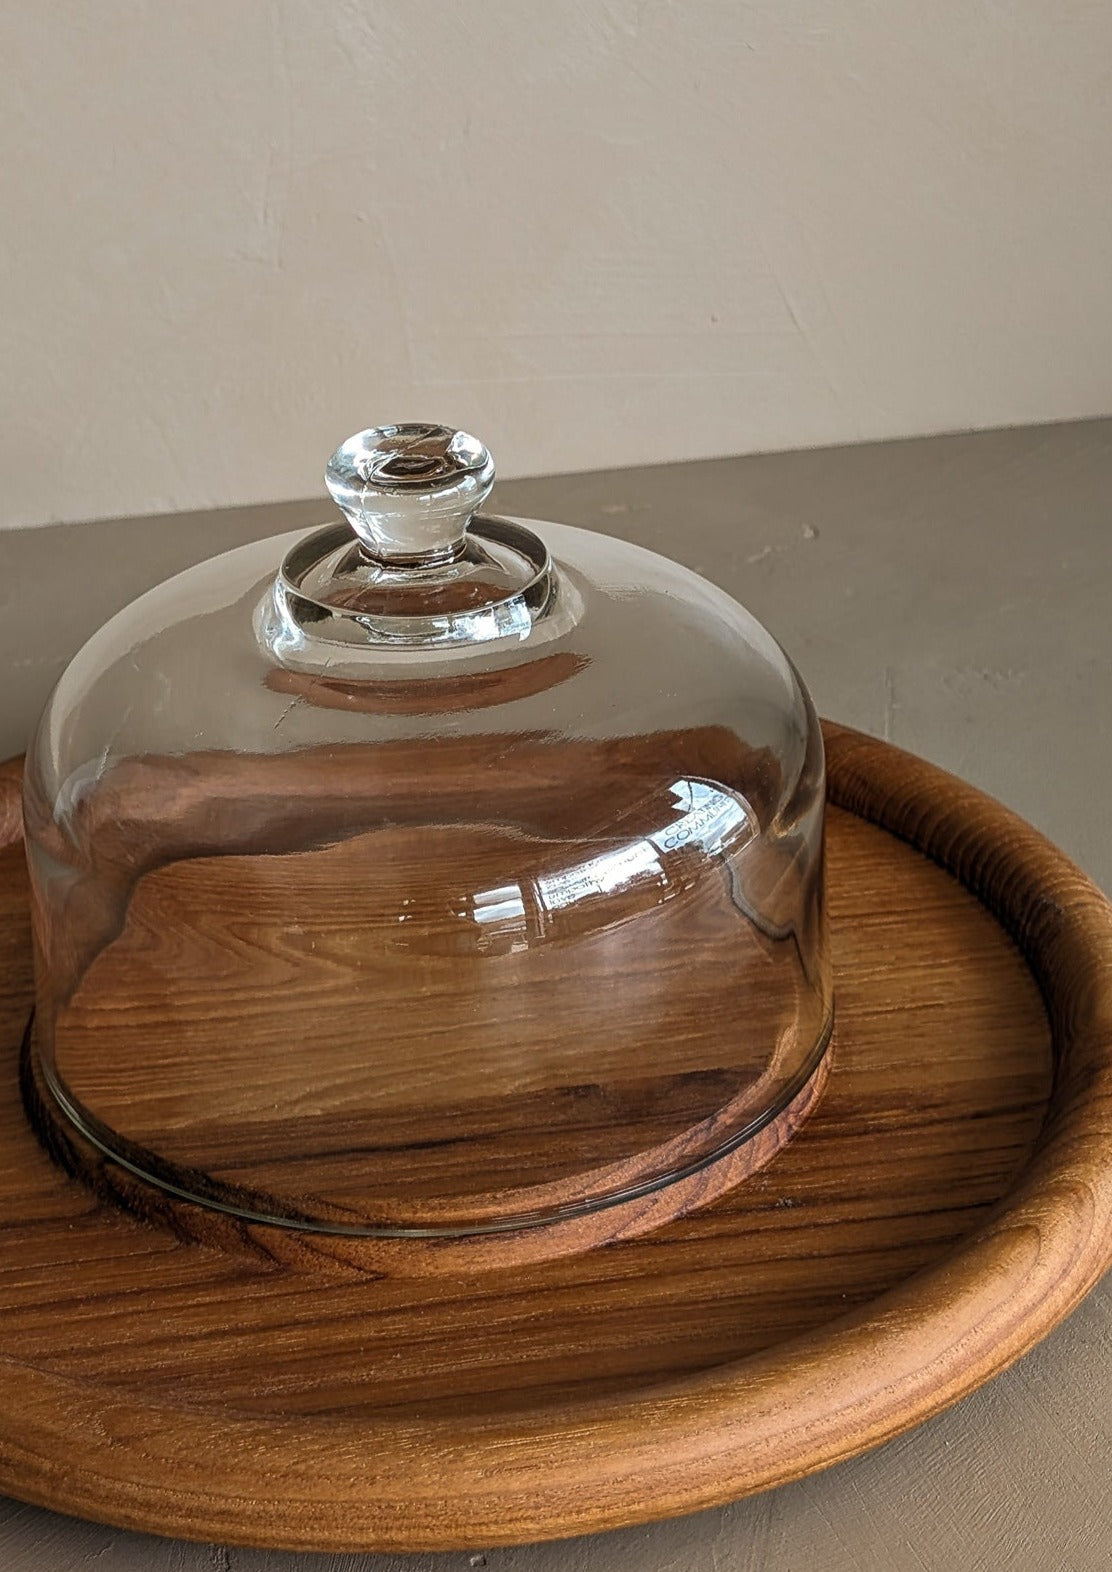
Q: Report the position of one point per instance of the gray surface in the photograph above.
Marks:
(952, 594)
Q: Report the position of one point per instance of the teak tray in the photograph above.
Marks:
(945, 1205)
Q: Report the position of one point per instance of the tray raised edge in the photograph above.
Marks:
(704, 1439)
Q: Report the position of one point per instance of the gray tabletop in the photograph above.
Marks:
(952, 594)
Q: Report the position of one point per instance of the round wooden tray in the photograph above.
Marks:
(946, 1204)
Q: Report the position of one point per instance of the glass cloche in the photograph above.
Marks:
(427, 873)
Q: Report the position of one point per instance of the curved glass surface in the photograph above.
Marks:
(444, 891)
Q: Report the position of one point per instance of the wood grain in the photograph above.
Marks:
(503, 1040)
(939, 1212)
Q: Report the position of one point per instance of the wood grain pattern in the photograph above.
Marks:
(474, 1030)
(940, 1211)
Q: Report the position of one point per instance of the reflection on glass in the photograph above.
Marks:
(451, 892)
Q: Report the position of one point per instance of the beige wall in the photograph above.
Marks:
(596, 233)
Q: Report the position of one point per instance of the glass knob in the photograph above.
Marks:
(409, 491)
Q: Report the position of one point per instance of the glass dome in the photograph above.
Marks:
(427, 873)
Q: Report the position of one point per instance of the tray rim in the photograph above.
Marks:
(678, 1446)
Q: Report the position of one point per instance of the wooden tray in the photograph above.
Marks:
(946, 1204)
